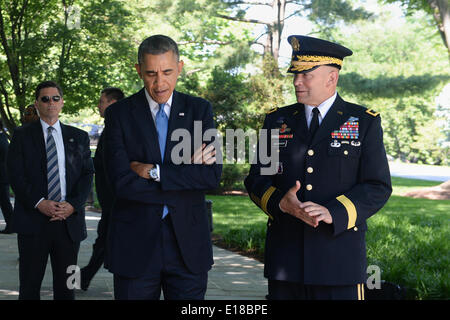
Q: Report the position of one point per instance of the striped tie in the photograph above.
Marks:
(54, 188)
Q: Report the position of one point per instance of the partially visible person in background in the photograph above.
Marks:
(30, 115)
(5, 203)
(105, 194)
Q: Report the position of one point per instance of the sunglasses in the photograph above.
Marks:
(46, 99)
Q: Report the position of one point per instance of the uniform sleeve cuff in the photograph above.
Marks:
(344, 214)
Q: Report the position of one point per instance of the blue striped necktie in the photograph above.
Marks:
(162, 124)
(54, 187)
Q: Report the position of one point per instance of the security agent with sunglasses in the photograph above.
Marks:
(50, 171)
(332, 176)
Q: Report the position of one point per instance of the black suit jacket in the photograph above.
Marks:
(348, 175)
(27, 171)
(103, 187)
(136, 216)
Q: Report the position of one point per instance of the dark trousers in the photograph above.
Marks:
(285, 290)
(5, 204)
(99, 248)
(167, 271)
(34, 250)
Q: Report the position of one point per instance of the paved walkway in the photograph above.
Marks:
(233, 276)
(419, 171)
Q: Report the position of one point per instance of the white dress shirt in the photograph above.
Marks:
(323, 109)
(57, 135)
(154, 106)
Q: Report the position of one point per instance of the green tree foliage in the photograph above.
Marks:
(438, 9)
(88, 45)
(83, 45)
(325, 13)
(399, 73)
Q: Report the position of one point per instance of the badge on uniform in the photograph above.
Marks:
(280, 167)
(281, 143)
(284, 129)
(335, 144)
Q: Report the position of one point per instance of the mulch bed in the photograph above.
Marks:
(218, 241)
(439, 192)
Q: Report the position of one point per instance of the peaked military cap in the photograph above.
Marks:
(309, 53)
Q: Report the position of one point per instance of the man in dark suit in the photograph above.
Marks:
(5, 202)
(105, 194)
(50, 170)
(159, 236)
(332, 175)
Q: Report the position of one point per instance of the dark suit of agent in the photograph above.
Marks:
(105, 193)
(332, 176)
(5, 203)
(159, 236)
(50, 172)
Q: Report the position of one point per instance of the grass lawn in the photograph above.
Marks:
(408, 239)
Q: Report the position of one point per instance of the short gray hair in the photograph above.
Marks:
(157, 44)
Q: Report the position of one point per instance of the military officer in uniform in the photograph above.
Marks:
(332, 175)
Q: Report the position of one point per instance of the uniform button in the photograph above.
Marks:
(269, 224)
(309, 187)
(355, 228)
(310, 152)
(345, 152)
(310, 170)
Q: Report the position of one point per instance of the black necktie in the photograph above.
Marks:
(314, 123)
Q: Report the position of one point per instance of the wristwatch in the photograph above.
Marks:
(153, 173)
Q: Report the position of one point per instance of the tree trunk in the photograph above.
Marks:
(275, 29)
(441, 14)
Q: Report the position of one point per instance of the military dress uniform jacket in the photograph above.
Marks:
(345, 169)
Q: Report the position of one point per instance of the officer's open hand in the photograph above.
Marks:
(317, 212)
(290, 204)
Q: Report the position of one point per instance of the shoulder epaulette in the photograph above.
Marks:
(272, 110)
(372, 112)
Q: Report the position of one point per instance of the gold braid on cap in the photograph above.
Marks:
(308, 62)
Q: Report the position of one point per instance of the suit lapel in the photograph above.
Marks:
(39, 143)
(178, 112)
(300, 121)
(144, 121)
(334, 118)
